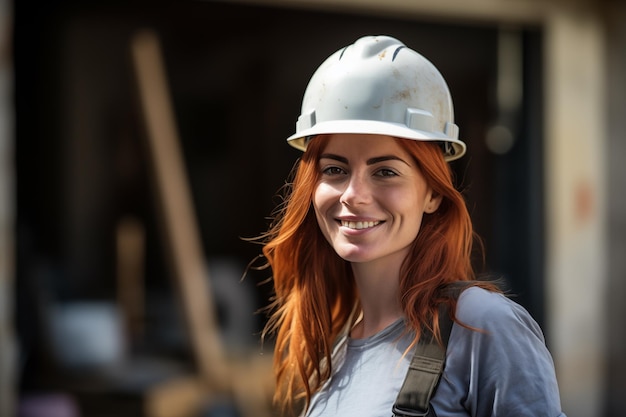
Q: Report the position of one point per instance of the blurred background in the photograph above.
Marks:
(142, 142)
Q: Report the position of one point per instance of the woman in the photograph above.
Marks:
(371, 232)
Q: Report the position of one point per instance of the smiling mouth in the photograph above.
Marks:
(359, 225)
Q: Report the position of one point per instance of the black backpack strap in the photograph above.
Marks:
(426, 365)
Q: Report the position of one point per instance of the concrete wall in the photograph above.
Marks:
(576, 255)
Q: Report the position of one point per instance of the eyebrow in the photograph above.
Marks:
(370, 161)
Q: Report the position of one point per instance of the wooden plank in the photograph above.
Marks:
(176, 209)
(130, 249)
(178, 397)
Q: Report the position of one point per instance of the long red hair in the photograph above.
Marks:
(315, 293)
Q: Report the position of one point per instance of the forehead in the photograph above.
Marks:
(366, 145)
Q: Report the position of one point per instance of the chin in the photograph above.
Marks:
(352, 255)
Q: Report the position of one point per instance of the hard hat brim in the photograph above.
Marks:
(300, 139)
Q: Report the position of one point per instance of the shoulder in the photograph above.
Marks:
(488, 310)
(497, 362)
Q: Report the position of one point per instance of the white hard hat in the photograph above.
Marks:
(379, 86)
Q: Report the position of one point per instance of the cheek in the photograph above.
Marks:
(322, 200)
(405, 201)
(317, 199)
(410, 206)
(319, 203)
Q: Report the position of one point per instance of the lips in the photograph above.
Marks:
(359, 225)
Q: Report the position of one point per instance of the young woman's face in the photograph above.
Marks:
(370, 198)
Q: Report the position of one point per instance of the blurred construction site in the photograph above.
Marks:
(142, 144)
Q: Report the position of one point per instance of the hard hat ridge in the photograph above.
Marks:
(370, 46)
(378, 85)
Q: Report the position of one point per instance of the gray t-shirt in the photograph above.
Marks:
(505, 370)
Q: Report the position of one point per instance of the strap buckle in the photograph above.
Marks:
(399, 412)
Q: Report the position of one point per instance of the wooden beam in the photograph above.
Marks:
(178, 219)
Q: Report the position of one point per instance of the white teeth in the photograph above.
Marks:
(358, 225)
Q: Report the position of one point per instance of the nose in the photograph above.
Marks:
(357, 191)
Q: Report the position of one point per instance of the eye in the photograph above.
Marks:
(333, 170)
(386, 172)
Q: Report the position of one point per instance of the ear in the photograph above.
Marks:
(433, 202)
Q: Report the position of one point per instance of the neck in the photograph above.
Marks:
(378, 287)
